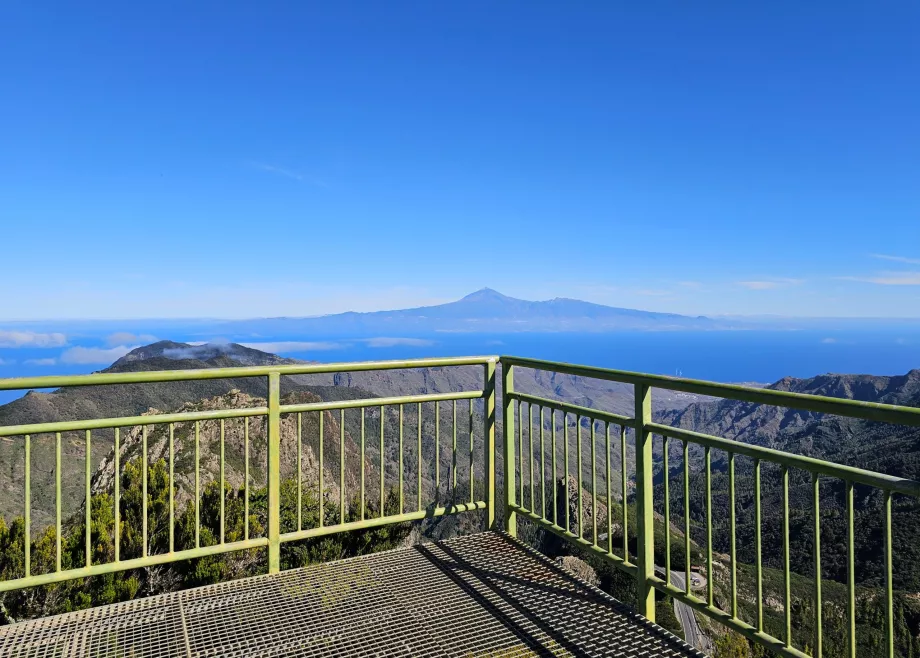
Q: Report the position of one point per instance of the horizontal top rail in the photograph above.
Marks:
(885, 413)
(851, 473)
(130, 421)
(217, 414)
(379, 402)
(107, 378)
(578, 410)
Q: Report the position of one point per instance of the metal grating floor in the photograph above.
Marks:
(483, 595)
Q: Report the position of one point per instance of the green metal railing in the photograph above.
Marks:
(556, 448)
(271, 413)
(641, 565)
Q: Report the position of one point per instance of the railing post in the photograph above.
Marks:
(274, 474)
(645, 528)
(488, 440)
(508, 423)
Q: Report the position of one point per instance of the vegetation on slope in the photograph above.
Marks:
(110, 588)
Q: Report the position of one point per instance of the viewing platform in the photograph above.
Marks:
(210, 481)
(480, 595)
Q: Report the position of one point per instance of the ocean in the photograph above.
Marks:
(725, 356)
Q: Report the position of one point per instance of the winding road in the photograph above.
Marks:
(692, 632)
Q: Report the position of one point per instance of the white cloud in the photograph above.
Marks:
(93, 355)
(769, 284)
(41, 362)
(290, 173)
(31, 339)
(295, 346)
(759, 285)
(828, 341)
(892, 279)
(6, 362)
(127, 338)
(897, 259)
(888, 279)
(384, 341)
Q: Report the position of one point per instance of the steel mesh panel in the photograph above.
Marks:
(484, 595)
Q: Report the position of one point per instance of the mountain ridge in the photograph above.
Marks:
(489, 310)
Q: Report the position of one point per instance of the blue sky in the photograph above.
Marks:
(251, 159)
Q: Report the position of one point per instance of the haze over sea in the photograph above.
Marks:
(757, 355)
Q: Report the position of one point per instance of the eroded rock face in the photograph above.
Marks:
(588, 512)
(235, 447)
(578, 568)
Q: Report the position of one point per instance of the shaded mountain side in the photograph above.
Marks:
(875, 446)
(890, 449)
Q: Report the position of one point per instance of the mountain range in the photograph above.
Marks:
(487, 310)
(889, 449)
(133, 399)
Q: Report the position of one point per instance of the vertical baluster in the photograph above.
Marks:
(686, 478)
(401, 460)
(57, 499)
(593, 481)
(382, 464)
(609, 491)
(27, 506)
(437, 449)
(521, 450)
(322, 497)
(299, 471)
(341, 465)
(889, 587)
(623, 478)
(245, 480)
(581, 517)
(172, 491)
(472, 449)
(552, 420)
(542, 466)
(418, 467)
(816, 499)
(733, 530)
(273, 470)
(197, 486)
(708, 525)
(490, 456)
(117, 495)
(88, 504)
(530, 456)
(565, 459)
(362, 463)
(851, 575)
(787, 589)
(222, 480)
(510, 461)
(144, 490)
(757, 545)
(453, 466)
(667, 512)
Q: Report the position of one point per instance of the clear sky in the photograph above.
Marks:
(229, 159)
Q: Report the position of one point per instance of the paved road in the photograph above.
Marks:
(692, 633)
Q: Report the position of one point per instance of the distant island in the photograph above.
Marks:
(490, 311)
